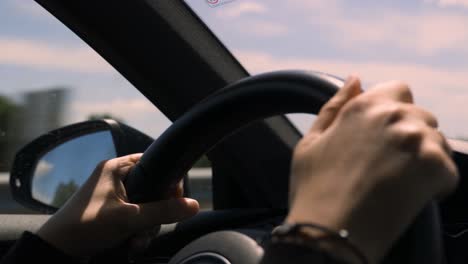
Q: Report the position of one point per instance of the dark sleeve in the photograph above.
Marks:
(281, 253)
(31, 248)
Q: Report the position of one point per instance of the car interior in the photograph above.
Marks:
(168, 53)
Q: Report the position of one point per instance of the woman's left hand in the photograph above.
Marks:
(99, 216)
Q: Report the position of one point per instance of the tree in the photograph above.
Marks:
(203, 162)
(98, 116)
(63, 192)
(7, 110)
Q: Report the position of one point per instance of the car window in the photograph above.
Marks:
(50, 78)
(422, 42)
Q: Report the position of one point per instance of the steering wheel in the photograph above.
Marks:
(248, 100)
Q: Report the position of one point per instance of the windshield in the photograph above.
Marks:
(423, 42)
(50, 78)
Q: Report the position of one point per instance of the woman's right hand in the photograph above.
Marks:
(369, 164)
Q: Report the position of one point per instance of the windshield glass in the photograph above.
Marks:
(423, 42)
(50, 78)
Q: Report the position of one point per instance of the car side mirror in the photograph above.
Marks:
(48, 171)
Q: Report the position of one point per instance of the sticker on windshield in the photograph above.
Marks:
(216, 3)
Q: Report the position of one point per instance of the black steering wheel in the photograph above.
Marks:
(169, 158)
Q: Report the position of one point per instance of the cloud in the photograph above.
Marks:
(126, 109)
(416, 74)
(448, 3)
(441, 90)
(43, 169)
(236, 10)
(424, 33)
(42, 55)
(254, 26)
(266, 29)
(325, 8)
(137, 112)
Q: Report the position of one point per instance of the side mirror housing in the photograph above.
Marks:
(47, 171)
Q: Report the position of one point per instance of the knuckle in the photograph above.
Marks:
(130, 210)
(301, 154)
(332, 106)
(357, 105)
(102, 165)
(451, 182)
(412, 135)
(444, 171)
(114, 164)
(432, 120)
(408, 134)
(403, 89)
(362, 102)
(127, 214)
(393, 110)
(434, 149)
(300, 148)
(390, 112)
(415, 130)
(304, 144)
(432, 152)
(403, 86)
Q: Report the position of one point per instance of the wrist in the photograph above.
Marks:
(333, 243)
(61, 236)
(54, 238)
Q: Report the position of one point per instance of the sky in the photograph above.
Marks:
(422, 42)
(38, 52)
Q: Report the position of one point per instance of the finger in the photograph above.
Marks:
(162, 212)
(394, 90)
(116, 168)
(415, 127)
(440, 140)
(437, 151)
(178, 190)
(123, 165)
(327, 114)
(451, 178)
(415, 112)
(412, 134)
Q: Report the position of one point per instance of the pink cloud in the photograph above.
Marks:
(447, 3)
(125, 108)
(41, 55)
(417, 74)
(135, 112)
(424, 34)
(266, 29)
(237, 9)
(443, 91)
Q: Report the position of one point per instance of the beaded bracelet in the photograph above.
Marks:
(292, 233)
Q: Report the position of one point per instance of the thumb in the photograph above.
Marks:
(330, 110)
(163, 212)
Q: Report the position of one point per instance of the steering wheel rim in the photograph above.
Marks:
(197, 131)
